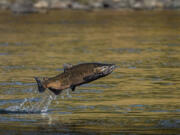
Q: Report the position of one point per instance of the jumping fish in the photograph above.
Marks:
(74, 76)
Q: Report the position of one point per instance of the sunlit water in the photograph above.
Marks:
(142, 96)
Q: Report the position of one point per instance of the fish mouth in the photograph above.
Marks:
(112, 67)
(108, 69)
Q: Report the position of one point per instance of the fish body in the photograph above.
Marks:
(74, 76)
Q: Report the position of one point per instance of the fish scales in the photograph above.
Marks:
(74, 76)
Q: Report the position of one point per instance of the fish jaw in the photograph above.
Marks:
(105, 69)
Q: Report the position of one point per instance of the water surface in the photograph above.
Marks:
(142, 96)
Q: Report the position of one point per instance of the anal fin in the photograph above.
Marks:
(55, 91)
(73, 88)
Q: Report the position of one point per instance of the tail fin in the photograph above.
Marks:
(40, 86)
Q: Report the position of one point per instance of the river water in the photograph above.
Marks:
(142, 96)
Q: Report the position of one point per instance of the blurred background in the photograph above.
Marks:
(27, 6)
(142, 37)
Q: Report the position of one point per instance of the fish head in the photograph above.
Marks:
(104, 69)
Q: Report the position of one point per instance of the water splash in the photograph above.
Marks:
(36, 103)
(68, 93)
(27, 106)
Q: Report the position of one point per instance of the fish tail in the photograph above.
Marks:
(41, 88)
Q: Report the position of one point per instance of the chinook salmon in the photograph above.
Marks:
(74, 76)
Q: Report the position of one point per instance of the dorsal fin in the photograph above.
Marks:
(67, 66)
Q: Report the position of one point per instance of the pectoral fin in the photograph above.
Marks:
(90, 78)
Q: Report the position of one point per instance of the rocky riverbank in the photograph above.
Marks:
(30, 6)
